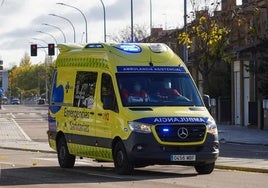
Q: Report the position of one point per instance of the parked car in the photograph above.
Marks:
(41, 101)
(15, 101)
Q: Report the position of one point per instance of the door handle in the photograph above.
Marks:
(99, 114)
(91, 113)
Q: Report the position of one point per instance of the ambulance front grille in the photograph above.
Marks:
(181, 133)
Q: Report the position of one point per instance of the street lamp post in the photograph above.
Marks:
(185, 50)
(64, 37)
(49, 35)
(131, 11)
(46, 61)
(46, 79)
(104, 20)
(79, 11)
(67, 21)
(151, 17)
(40, 40)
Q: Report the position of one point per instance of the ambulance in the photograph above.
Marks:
(133, 104)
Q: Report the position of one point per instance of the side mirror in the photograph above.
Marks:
(206, 100)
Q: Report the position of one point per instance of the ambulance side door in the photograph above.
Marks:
(106, 112)
(84, 104)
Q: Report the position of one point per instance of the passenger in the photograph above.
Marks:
(138, 94)
(167, 92)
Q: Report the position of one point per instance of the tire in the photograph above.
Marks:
(65, 159)
(121, 162)
(205, 168)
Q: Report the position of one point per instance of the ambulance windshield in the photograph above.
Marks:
(157, 89)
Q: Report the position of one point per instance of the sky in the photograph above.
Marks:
(22, 19)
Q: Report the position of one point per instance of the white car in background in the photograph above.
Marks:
(15, 101)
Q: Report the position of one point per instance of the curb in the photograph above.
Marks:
(26, 149)
(242, 143)
(239, 168)
(223, 141)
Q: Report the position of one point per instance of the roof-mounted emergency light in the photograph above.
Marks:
(131, 48)
(158, 48)
(94, 46)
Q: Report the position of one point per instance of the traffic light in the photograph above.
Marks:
(33, 49)
(51, 49)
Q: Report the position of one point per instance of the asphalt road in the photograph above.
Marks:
(35, 169)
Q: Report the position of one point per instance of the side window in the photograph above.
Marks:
(85, 84)
(107, 93)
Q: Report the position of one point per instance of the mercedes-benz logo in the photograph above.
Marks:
(182, 133)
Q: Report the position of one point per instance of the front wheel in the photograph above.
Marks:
(65, 159)
(205, 168)
(121, 163)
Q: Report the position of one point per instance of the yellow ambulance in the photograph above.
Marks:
(133, 104)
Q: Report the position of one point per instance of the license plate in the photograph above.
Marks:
(182, 157)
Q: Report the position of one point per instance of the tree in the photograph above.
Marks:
(214, 36)
(139, 31)
(26, 60)
(208, 40)
(28, 80)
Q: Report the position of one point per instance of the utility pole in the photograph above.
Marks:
(1, 83)
(185, 50)
(131, 11)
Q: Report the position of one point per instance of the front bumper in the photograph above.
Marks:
(143, 150)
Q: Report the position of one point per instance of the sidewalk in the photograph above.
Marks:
(247, 136)
(13, 137)
(242, 135)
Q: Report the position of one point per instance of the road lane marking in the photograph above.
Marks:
(21, 130)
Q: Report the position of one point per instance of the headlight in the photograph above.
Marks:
(139, 127)
(212, 127)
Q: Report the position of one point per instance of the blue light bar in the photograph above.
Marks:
(132, 48)
(94, 45)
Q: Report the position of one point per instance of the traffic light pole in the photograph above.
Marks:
(51, 52)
